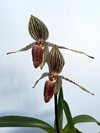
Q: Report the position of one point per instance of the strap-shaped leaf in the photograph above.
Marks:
(84, 118)
(71, 128)
(38, 29)
(77, 131)
(21, 121)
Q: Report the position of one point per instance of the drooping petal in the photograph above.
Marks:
(73, 50)
(71, 81)
(48, 90)
(37, 29)
(42, 76)
(22, 49)
(37, 54)
(77, 51)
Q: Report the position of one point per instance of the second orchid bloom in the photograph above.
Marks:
(55, 63)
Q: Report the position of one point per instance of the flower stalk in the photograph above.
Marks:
(56, 114)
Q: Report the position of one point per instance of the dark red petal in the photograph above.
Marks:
(37, 54)
(48, 90)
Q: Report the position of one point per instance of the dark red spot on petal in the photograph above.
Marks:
(37, 55)
(48, 90)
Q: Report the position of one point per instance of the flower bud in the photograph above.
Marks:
(55, 60)
(37, 54)
(48, 90)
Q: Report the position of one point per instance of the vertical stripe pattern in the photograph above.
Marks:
(37, 29)
(55, 60)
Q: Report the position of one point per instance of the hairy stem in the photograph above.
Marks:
(56, 114)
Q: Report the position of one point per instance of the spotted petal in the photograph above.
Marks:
(37, 54)
(48, 90)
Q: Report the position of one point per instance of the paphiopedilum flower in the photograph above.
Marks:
(40, 50)
(39, 33)
(52, 86)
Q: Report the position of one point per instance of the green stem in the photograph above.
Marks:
(56, 114)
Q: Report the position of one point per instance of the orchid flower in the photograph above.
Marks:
(52, 86)
(40, 48)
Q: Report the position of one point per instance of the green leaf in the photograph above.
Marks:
(77, 131)
(84, 118)
(70, 124)
(22, 121)
(38, 29)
